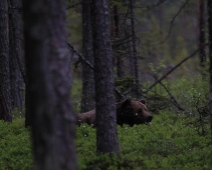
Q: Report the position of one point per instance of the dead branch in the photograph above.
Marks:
(172, 99)
(81, 58)
(74, 5)
(172, 21)
(119, 94)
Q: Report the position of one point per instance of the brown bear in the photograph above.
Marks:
(128, 112)
(132, 112)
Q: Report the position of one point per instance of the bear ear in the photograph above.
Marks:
(123, 104)
(142, 101)
(126, 102)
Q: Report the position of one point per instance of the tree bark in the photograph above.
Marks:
(88, 86)
(202, 54)
(5, 96)
(210, 59)
(47, 63)
(40, 88)
(107, 141)
(61, 79)
(16, 79)
(133, 57)
(118, 49)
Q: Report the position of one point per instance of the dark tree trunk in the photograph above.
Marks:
(107, 141)
(118, 49)
(5, 96)
(133, 57)
(210, 59)
(88, 88)
(61, 80)
(202, 53)
(16, 80)
(47, 63)
(40, 91)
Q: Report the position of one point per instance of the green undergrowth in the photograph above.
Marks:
(76, 92)
(169, 142)
(15, 152)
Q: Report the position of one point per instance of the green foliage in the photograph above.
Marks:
(124, 84)
(76, 92)
(157, 103)
(173, 140)
(117, 2)
(74, 15)
(18, 113)
(158, 68)
(15, 153)
(166, 143)
(189, 91)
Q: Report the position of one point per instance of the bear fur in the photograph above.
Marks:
(128, 112)
(87, 117)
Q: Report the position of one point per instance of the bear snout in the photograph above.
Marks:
(149, 118)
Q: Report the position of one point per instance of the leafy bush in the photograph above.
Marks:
(15, 153)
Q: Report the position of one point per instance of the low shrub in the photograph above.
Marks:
(15, 153)
(166, 143)
(169, 142)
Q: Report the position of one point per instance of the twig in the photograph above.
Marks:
(172, 99)
(81, 58)
(72, 6)
(119, 93)
(172, 21)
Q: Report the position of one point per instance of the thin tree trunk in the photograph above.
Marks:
(134, 58)
(210, 59)
(118, 48)
(202, 53)
(5, 96)
(88, 87)
(107, 141)
(209, 6)
(15, 52)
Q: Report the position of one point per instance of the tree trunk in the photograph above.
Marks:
(47, 62)
(133, 58)
(210, 59)
(88, 88)
(107, 141)
(202, 53)
(5, 96)
(118, 49)
(61, 80)
(16, 79)
(40, 91)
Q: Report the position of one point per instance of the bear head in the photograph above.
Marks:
(132, 112)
